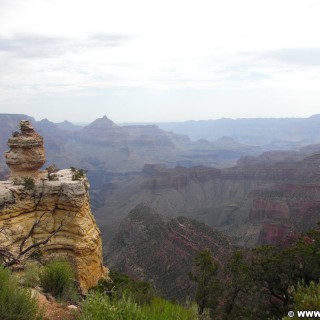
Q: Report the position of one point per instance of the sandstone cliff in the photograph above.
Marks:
(64, 203)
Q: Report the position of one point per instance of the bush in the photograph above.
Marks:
(98, 306)
(123, 285)
(16, 303)
(160, 309)
(57, 278)
(30, 276)
(28, 183)
(78, 174)
(306, 298)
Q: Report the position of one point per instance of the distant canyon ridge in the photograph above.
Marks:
(257, 180)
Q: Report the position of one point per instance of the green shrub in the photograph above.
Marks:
(160, 309)
(99, 306)
(28, 183)
(30, 276)
(16, 303)
(306, 298)
(57, 278)
(78, 174)
(123, 285)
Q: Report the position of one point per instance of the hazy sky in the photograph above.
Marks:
(168, 60)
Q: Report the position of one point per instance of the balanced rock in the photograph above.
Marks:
(27, 153)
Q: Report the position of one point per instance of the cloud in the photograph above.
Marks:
(108, 39)
(39, 46)
(294, 56)
(32, 46)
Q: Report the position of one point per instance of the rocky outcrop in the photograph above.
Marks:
(27, 153)
(60, 209)
(48, 215)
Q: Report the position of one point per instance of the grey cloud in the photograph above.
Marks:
(38, 46)
(109, 39)
(294, 56)
(32, 46)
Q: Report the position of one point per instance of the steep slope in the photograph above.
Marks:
(151, 247)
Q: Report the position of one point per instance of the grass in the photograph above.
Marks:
(99, 306)
(57, 278)
(16, 303)
(30, 276)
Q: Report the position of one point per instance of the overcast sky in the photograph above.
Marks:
(168, 60)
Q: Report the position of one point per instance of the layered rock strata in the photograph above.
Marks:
(58, 210)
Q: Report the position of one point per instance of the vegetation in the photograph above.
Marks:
(123, 286)
(78, 174)
(57, 278)
(28, 183)
(31, 274)
(205, 275)
(52, 169)
(16, 303)
(99, 306)
(306, 298)
(264, 283)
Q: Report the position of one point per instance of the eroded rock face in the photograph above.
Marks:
(62, 202)
(27, 154)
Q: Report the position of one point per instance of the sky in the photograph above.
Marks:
(157, 61)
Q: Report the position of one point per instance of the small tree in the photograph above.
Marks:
(9, 257)
(28, 183)
(208, 286)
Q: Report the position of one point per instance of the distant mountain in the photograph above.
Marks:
(151, 247)
(68, 126)
(272, 133)
(113, 153)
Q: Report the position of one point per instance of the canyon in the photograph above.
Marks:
(253, 194)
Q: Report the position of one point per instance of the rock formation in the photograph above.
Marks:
(27, 153)
(54, 211)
